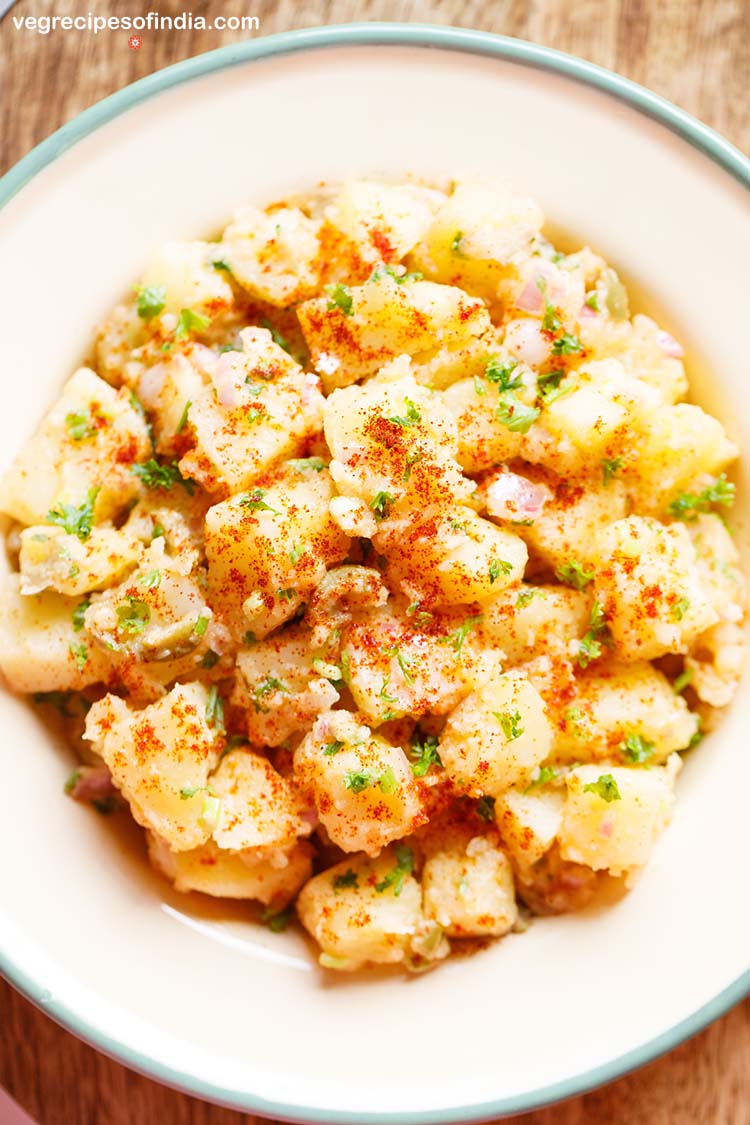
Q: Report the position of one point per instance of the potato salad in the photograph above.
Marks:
(379, 565)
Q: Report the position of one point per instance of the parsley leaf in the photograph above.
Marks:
(215, 710)
(277, 920)
(411, 418)
(567, 344)
(75, 521)
(498, 567)
(424, 754)
(150, 300)
(80, 654)
(155, 475)
(456, 243)
(359, 780)
(680, 608)
(458, 636)
(687, 505)
(515, 415)
(637, 749)
(394, 880)
(255, 502)
(545, 775)
(183, 418)
(80, 425)
(301, 464)
(574, 574)
(79, 613)
(510, 724)
(485, 808)
(348, 879)
(340, 297)
(276, 335)
(267, 687)
(190, 321)
(381, 503)
(133, 616)
(332, 748)
(610, 466)
(605, 787)
(502, 374)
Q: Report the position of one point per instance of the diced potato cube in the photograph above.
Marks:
(529, 822)
(496, 737)
(269, 547)
(611, 819)
(469, 890)
(451, 557)
(650, 587)
(640, 346)
(274, 255)
(168, 391)
(186, 273)
(360, 914)
(393, 444)
(385, 221)
(355, 331)
(680, 445)
(717, 560)
(40, 649)
(483, 439)
(716, 663)
(396, 667)
(83, 449)
(160, 758)
(156, 614)
(526, 621)
(274, 407)
(52, 559)
(259, 810)
(362, 785)
(566, 527)
(282, 687)
(223, 874)
(441, 367)
(631, 702)
(481, 231)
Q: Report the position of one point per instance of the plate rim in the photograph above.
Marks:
(706, 140)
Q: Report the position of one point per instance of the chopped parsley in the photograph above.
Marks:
(405, 663)
(485, 808)
(545, 775)
(394, 880)
(590, 645)
(348, 879)
(188, 791)
(637, 749)
(592, 301)
(331, 749)
(381, 503)
(190, 321)
(458, 636)
(267, 687)
(76, 521)
(150, 300)
(276, 336)
(150, 580)
(423, 752)
(277, 920)
(210, 659)
(680, 608)
(684, 679)
(502, 374)
(610, 466)
(567, 344)
(255, 413)
(510, 724)
(412, 417)
(155, 474)
(80, 654)
(340, 297)
(574, 574)
(359, 780)
(295, 553)
(286, 594)
(255, 503)
(589, 648)
(458, 238)
(220, 264)
(498, 567)
(79, 613)
(411, 461)
(387, 781)
(301, 464)
(550, 321)
(687, 505)
(525, 597)
(133, 616)
(605, 787)
(200, 627)
(80, 425)
(515, 415)
(71, 781)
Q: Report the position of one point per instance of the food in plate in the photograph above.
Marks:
(377, 562)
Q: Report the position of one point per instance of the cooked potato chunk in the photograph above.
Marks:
(468, 889)
(258, 807)
(680, 445)
(529, 822)
(496, 737)
(650, 587)
(451, 557)
(565, 529)
(261, 407)
(274, 256)
(282, 688)
(185, 277)
(267, 548)
(385, 221)
(526, 621)
(40, 648)
(612, 819)
(76, 467)
(224, 874)
(363, 911)
(160, 759)
(362, 785)
(52, 559)
(354, 331)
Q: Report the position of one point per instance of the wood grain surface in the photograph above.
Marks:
(695, 52)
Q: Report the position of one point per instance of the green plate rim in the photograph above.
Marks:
(701, 137)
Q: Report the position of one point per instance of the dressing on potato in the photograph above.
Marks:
(376, 562)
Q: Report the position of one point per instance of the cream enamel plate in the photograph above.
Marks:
(188, 991)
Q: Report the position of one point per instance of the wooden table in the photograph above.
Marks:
(695, 52)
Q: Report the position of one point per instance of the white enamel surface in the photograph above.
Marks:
(190, 984)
